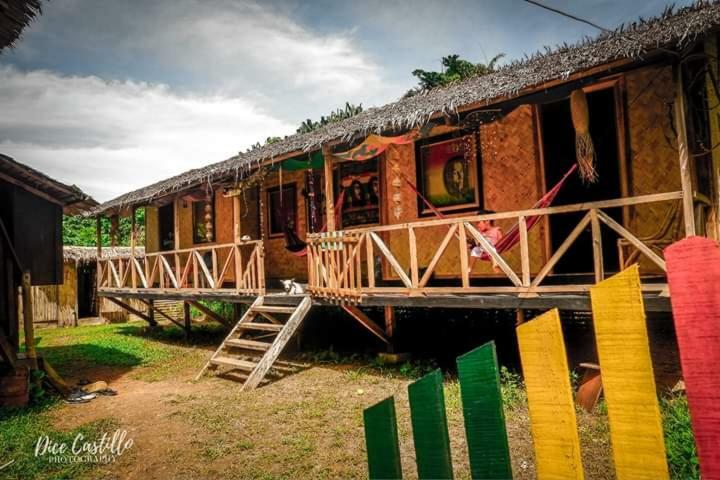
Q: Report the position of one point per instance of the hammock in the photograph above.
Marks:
(295, 244)
(512, 237)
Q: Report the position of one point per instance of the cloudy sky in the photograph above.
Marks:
(115, 94)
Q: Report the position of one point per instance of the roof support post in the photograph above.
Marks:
(329, 191)
(711, 50)
(684, 156)
(237, 231)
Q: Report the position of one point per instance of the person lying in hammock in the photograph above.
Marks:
(492, 233)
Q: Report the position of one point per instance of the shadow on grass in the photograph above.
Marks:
(208, 334)
(87, 360)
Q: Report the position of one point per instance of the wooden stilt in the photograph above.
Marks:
(28, 323)
(390, 327)
(151, 312)
(188, 319)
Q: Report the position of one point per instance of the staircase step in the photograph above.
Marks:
(249, 344)
(270, 309)
(267, 327)
(234, 362)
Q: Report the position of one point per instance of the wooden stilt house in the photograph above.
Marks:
(588, 158)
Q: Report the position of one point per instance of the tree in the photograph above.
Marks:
(350, 110)
(80, 231)
(455, 69)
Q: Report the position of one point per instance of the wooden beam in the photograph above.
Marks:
(561, 250)
(524, 251)
(133, 310)
(98, 237)
(490, 249)
(366, 322)
(176, 223)
(28, 318)
(188, 318)
(598, 266)
(237, 225)
(7, 351)
(391, 259)
(683, 153)
(636, 242)
(576, 207)
(329, 192)
(438, 254)
(218, 318)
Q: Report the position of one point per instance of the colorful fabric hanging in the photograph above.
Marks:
(302, 162)
(374, 145)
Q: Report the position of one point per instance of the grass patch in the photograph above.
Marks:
(679, 438)
(19, 432)
(126, 345)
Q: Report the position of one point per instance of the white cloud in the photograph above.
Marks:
(112, 137)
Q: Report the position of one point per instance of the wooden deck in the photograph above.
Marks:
(574, 302)
(342, 266)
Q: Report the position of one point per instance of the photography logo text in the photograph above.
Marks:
(105, 449)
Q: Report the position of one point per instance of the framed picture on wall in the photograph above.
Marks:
(282, 209)
(361, 183)
(448, 173)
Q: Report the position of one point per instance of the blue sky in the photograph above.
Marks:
(114, 95)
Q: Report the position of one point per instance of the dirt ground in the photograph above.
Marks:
(307, 425)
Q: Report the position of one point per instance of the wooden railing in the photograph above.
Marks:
(228, 267)
(341, 265)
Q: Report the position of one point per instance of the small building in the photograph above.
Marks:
(75, 302)
(31, 209)
(588, 157)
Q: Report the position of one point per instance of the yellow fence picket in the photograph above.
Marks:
(550, 399)
(624, 351)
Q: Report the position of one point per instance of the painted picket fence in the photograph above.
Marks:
(629, 387)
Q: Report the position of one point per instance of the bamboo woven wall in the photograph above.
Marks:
(56, 305)
(152, 230)
(653, 161)
(510, 181)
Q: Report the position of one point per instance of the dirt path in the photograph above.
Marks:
(308, 425)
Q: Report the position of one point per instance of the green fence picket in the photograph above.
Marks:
(430, 431)
(381, 439)
(483, 411)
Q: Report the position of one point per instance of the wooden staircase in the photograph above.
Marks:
(252, 347)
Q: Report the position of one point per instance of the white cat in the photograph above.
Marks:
(292, 287)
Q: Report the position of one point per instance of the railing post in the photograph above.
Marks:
(370, 261)
(599, 268)
(464, 266)
(414, 274)
(524, 251)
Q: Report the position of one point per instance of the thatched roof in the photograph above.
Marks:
(14, 16)
(73, 200)
(670, 32)
(89, 254)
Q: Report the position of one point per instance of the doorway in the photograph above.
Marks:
(87, 302)
(166, 226)
(558, 143)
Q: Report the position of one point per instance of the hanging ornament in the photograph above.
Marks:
(584, 149)
(208, 222)
(396, 184)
